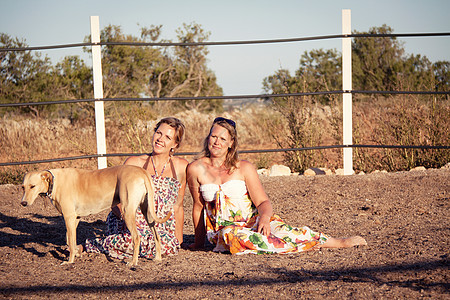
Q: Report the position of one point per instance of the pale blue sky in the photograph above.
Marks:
(239, 69)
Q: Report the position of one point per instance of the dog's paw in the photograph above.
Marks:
(132, 265)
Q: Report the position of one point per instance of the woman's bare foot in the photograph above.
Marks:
(344, 242)
(354, 241)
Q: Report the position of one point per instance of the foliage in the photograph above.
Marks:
(24, 77)
(380, 64)
(158, 72)
(377, 61)
(442, 75)
(74, 81)
(301, 122)
(319, 70)
(181, 71)
(414, 121)
(128, 71)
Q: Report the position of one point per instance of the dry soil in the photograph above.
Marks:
(404, 216)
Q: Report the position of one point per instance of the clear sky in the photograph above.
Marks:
(239, 69)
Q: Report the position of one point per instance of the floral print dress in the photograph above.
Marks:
(231, 224)
(118, 244)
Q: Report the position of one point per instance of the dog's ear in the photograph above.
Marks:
(46, 176)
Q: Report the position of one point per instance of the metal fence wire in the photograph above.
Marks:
(232, 97)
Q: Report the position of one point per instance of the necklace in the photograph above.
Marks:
(154, 168)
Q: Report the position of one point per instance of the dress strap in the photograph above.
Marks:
(172, 167)
(145, 166)
(154, 167)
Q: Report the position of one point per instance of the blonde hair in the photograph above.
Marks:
(231, 159)
(177, 125)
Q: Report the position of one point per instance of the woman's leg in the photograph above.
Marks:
(344, 242)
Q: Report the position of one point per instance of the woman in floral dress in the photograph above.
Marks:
(169, 178)
(232, 210)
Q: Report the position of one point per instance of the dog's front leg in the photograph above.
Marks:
(71, 236)
(77, 221)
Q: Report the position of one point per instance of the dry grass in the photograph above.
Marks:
(401, 120)
(25, 139)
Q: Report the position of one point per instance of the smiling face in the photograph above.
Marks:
(219, 141)
(164, 139)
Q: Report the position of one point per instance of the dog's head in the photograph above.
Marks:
(34, 184)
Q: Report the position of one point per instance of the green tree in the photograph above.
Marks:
(320, 70)
(24, 77)
(156, 72)
(128, 71)
(193, 76)
(125, 68)
(380, 63)
(27, 77)
(376, 61)
(441, 71)
(74, 80)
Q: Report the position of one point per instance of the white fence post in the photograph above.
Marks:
(347, 96)
(98, 91)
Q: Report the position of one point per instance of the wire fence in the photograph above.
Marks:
(240, 151)
(247, 42)
(232, 97)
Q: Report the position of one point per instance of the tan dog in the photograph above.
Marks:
(76, 193)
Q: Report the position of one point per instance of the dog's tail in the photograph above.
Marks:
(151, 200)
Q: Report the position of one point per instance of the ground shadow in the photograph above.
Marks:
(50, 232)
(372, 274)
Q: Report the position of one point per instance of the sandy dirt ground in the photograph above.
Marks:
(404, 216)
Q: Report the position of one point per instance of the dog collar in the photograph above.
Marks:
(50, 187)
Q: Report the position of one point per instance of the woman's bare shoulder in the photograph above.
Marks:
(245, 165)
(180, 161)
(138, 160)
(196, 164)
(180, 164)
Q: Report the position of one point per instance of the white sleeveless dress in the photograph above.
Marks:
(231, 224)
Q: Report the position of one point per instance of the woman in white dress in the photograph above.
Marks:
(232, 210)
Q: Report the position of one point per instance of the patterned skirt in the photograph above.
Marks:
(242, 238)
(118, 244)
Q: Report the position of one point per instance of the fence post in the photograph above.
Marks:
(98, 91)
(347, 95)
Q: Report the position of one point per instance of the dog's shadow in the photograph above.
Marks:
(36, 237)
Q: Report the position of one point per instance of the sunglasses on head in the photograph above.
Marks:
(220, 119)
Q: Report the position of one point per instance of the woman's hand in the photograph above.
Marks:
(258, 197)
(264, 225)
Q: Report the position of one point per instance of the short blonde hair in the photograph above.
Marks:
(177, 125)
(232, 155)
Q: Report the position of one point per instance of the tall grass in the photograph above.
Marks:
(399, 120)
